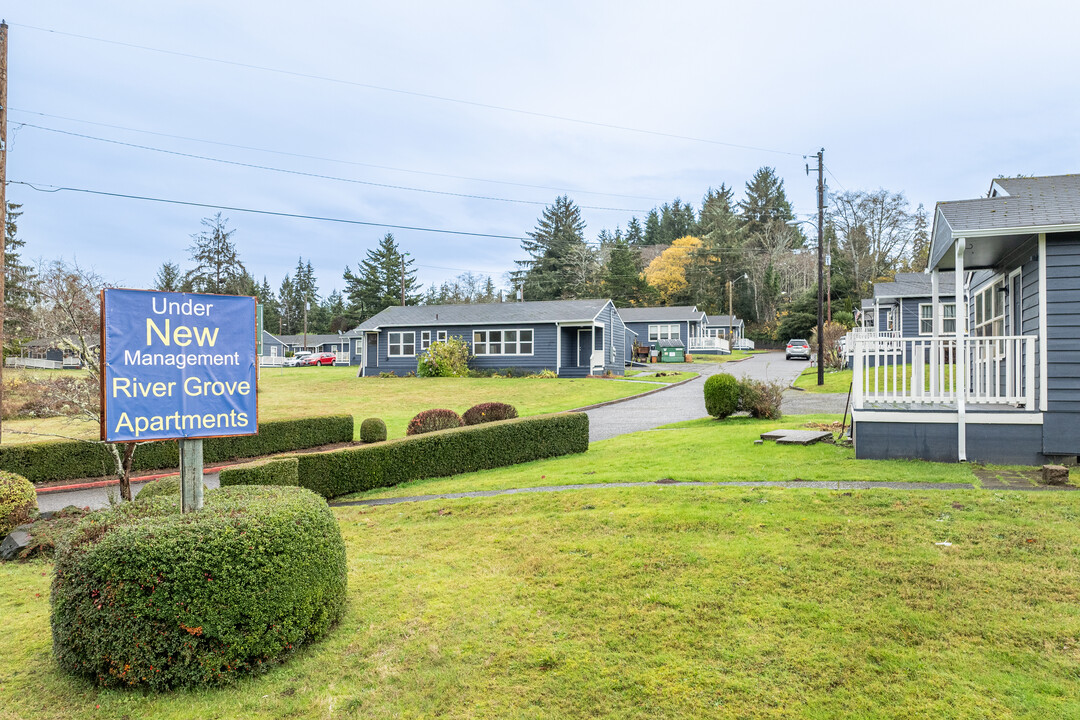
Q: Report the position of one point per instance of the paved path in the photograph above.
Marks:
(95, 498)
(604, 486)
(687, 401)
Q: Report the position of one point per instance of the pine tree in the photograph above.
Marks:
(634, 234)
(270, 305)
(652, 228)
(217, 263)
(765, 202)
(622, 281)
(676, 221)
(169, 278)
(556, 248)
(286, 303)
(378, 281)
(18, 283)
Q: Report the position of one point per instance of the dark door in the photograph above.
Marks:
(584, 351)
(372, 350)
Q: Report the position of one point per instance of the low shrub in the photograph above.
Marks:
(18, 501)
(545, 373)
(390, 374)
(721, 395)
(165, 487)
(446, 358)
(143, 596)
(372, 430)
(433, 420)
(46, 532)
(439, 454)
(489, 412)
(280, 471)
(68, 460)
(760, 398)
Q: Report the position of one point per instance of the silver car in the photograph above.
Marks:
(798, 349)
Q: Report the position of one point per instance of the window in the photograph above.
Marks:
(990, 310)
(401, 344)
(273, 351)
(598, 339)
(425, 339)
(948, 319)
(889, 320)
(440, 336)
(663, 332)
(359, 347)
(503, 342)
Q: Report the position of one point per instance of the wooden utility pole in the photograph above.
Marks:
(820, 266)
(3, 185)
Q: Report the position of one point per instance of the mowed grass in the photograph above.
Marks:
(289, 393)
(836, 381)
(670, 376)
(654, 603)
(735, 355)
(705, 450)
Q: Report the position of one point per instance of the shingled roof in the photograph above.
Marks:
(906, 285)
(549, 311)
(674, 313)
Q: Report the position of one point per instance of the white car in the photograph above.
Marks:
(297, 359)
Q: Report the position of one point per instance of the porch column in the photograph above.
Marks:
(935, 321)
(960, 378)
(592, 348)
(1042, 323)
(558, 348)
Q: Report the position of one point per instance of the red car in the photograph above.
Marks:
(326, 358)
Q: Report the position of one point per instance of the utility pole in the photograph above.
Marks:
(730, 316)
(820, 266)
(306, 304)
(403, 256)
(3, 183)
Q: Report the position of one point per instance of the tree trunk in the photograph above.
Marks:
(124, 454)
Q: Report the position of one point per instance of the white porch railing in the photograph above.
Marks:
(271, 360)
(342, 358)
(708, 343)
(892, 370)
(40, 363)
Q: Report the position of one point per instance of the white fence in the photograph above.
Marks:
(271, 360)
(709, 343)
(21, 362)
(996, 370)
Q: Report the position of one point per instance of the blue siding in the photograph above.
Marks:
(642, 329)
(1004, 444)
(1060, 436)
(543, 355)
(614, 340)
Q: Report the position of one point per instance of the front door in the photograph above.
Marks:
(372, 359)
(584, 348)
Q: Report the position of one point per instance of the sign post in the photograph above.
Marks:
(178, 366)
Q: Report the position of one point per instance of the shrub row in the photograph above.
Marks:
(442, 453)
(725, 395)
(18, 501)
(282, 471)
(67, 460)
(433, 421)
(145, 596)
(489, 412)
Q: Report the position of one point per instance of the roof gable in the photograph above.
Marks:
(675, 313)
(546, 311)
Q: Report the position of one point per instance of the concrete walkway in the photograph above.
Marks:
(606, 486)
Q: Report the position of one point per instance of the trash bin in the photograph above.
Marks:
(671, 353)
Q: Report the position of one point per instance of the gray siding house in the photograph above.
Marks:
(905, 305)
(656, 326)
(1005, 388)
(722, 325)
(573, 338)
(338, 344)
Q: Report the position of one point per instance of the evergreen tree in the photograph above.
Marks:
(634, 234)
(169, 278)
(286, 304)
(557, 250)
(270, 305)
(378, 281)
(652, 228)
(217, 263)
(622, 281)
(490, 295)
(334, 308)
(765, 202)
(18, 283)
(676, 221)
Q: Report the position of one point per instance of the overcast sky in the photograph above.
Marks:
(932, 99)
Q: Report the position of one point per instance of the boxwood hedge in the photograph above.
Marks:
(68, 460)
(145, 596)
(280, 471)
(442, 453)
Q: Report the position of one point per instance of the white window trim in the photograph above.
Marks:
(440, 336)
(479, 344)
(360, 346)
(990, 288)
(401, 343)
(425, 340)
(673, 331)
(941, 317)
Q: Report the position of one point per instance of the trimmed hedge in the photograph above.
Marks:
(145, 596)
(168, 486)
(433, 421)
(489, 412)
(447, 452)
(68, 460)
(721, 395)
(372, 430)
(281, 471)
(17, 501)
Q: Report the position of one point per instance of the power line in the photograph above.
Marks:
(40, 188)
(564, 190)
(411, 93)
(301, 173)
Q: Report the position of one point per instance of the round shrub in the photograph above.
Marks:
(165, 487)
(17, 501)
(489, 412)
(721, 395)
(761, 399)
(432, 420)
(372, 430)
(143, 595)
(445, 358)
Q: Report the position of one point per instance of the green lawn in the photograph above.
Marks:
(836, 381)
(699, 450)
(654, 603)
(671, 376)
(300, 392)
(736, 355)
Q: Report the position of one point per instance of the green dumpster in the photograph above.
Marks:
(671, 353)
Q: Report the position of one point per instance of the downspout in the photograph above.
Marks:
(961, 352)
(935, 320)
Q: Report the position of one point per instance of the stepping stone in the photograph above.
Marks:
(797, 437)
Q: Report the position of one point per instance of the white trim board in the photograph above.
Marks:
(948, 418)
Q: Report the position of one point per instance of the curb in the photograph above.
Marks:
(108, 483)
(635, 397)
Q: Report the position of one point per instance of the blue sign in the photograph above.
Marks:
(177, 365)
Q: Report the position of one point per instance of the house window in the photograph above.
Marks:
(503, 342)
(663, 332)
(948, 319)
(273, 351)
(990, 310)
(425, 339)
(359, 347)
(598, 338)
(401, 344)
(889, 320)
(440, 336)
